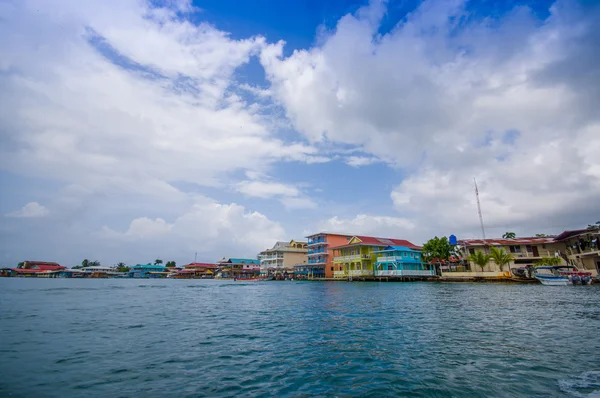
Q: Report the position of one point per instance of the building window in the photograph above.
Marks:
(331, 269)
(529, 248)
(515, 249)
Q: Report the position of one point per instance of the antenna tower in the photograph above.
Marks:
(479, 208)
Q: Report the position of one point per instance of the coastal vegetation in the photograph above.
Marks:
(500, 257)
(438, 248)
(171, 264)
(548, 261)
(122, 267)
(480, 259)
(88, 263)
(509, 235)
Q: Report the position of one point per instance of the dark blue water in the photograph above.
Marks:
(196, 338)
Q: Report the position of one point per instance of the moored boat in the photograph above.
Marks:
(562, 275)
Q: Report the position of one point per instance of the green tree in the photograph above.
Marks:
(548, 261)
(541, 235)
(122, 267)
(171, 264)
(21, 264)
(594, 226)
(509, 235)
(500, 257)
(480, 258)
(85, 263)
(94, 263)
(437, 248)
(158, 261)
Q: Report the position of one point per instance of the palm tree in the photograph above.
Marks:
(509, 235)
(157, 261)
(500, 257)
(548, 261)
(480, 258)
(85, 263)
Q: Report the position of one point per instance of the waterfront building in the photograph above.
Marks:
(40, 269)
(197, 270)
(320, 253)
(241, 268)
(358, 257)
(525, 251)
(582, 248)
(99, 272)
(282, 257)
(307, 271)
(148, 271)
(401, 261)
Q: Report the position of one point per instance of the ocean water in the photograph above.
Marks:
(146, 338)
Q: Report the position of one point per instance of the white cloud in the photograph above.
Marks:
(211, 229)
(30, 210)
(448, 96)
(262, 189)
(359, 161)
(381, 226)
(290, 196)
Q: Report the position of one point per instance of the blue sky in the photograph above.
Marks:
(132, 130)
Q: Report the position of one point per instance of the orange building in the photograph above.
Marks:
(320, 253)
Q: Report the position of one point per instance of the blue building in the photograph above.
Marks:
(147, 271)
(401, 261)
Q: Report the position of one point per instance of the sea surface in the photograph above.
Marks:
(195, 338)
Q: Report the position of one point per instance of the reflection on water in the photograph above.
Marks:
(220, 338)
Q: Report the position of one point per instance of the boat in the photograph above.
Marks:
(562, 275)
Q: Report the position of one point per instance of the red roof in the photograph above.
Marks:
(374, 241)
(32, 267)
(536, 240)
(200, 265)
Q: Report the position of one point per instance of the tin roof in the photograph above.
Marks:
(507, 242)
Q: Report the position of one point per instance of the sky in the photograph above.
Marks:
(132, 130)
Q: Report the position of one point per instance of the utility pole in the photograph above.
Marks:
(196, 257)
(479, 209)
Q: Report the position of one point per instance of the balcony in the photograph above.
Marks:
(388, 259)
(404, 272)
(315, 251)
(317, 261)
(339, 274)
(352, 257)
(360, 272)
(317, 240)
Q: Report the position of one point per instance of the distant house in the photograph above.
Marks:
(197, 270)
(241, 268)
(148, 271)
(38, 269)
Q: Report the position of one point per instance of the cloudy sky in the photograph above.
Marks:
(133, 129)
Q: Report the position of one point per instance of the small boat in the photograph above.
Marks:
(562, 275)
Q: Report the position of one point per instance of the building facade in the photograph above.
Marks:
(148, 271)
(197, 271)
(282, 257)
(582, 249)
(239, 268)
(320, 252)
(358, 257)
(525, 251)
(401, 261)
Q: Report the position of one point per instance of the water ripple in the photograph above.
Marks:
(221, 338)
